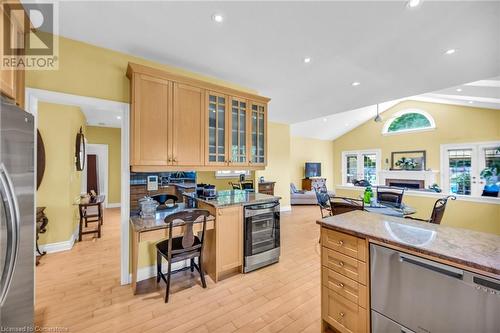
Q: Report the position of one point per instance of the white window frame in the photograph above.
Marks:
(360, 167)
(477, 164)
(224, 174)
(385, 129)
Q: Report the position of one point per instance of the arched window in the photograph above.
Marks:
(409, 120)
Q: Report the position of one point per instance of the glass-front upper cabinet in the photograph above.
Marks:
(238, 138)
(217, 135)
(258, 134)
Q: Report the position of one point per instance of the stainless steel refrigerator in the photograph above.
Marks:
(17, 210)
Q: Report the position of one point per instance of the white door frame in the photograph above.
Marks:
(33, 96)
(101, 151)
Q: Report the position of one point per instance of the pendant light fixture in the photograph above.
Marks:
(378, 118)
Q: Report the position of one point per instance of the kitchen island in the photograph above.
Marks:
(377, 269)
(223, 249)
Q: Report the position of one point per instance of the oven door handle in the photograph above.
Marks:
(261, 208)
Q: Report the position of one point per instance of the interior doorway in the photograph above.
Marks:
(95, 175)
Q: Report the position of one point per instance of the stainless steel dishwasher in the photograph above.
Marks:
(412, 294)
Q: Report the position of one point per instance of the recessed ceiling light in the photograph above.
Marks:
(470, 102)
(413, 3)
(459, 89)
(218, 18)
(325, 120)
(307, 60)
(355, 83)
(450, 51)
(118, 117)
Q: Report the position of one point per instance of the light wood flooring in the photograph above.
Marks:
(80, 289)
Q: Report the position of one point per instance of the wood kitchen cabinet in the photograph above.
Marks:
(150, 120)
(12, 83)
(188, 126)
(180, 123)
(258, 130)
(223, 254)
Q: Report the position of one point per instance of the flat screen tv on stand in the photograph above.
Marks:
(312, 170)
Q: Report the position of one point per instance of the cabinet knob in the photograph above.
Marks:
(341, 285)
(175, 160)
(170, 160)
(250, 162)
(341, 242)
(341, 314)
(341, 263)
(220, 212)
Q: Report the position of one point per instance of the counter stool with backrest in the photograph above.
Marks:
(91, 212)
(186, 247)
(437, 210)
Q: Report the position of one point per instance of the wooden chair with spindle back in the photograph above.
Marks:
(186, 247)
(437, 211)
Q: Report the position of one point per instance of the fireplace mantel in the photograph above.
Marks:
(428, 176)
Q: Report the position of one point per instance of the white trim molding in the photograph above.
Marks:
(286, 208)
(387, 124)
(114, 205)
(60, 246)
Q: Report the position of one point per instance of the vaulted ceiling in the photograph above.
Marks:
(393, 51)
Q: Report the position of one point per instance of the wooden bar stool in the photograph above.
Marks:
(91, 212)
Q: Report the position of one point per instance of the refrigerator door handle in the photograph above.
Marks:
(13, 219)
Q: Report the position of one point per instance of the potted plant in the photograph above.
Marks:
(406, 163)
(491, 177)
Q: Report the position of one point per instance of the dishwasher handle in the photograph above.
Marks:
(433, 266)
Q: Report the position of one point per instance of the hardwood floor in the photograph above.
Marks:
(80, 289)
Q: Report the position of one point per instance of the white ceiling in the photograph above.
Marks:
(480, 94)
(392, 50)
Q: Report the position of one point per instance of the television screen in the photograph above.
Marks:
(313, 170)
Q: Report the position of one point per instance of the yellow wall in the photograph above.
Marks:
(111, 137)
(477, 216)
(304, 150)
(454, 124)
(278, 161)
(92, 71)
(58, 126)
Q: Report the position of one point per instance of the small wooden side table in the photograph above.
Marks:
(91, 212)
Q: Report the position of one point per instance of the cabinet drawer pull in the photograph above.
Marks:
(341, 263)
(341, 242)
(341, 285)
(341, 314)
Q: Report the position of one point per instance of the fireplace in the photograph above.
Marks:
(411, 179)
(413, 184)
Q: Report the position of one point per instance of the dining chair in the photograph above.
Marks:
(323, 200)
(163, 198)
(235, 186)
(247, 185)
(185, 247)
(437, 211)
(342, 205)
(91, 212)
(390, 195)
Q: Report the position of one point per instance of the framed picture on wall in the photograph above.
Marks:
(408, 160)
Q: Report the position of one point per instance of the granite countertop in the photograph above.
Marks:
(141, 224)
(235, 198)
(466, 247)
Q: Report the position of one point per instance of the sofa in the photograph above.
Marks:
(299, 197)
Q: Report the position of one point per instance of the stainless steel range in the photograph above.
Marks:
(262, 235)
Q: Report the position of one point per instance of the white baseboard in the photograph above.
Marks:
(148, 272)
(60, 246)
(114, 205)
(285, 208)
